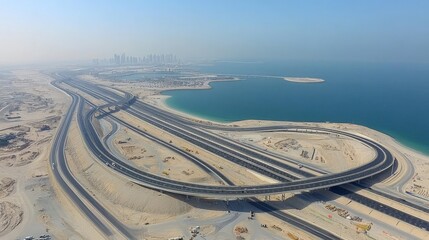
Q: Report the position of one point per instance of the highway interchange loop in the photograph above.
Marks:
(382, 161)
(291, 178)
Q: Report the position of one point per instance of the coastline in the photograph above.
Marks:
(161, 102)
(412, 163)
(161, 93)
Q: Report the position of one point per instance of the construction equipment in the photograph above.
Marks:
(277, 228)
(362, 227)
(292, 236)
(176, 238)
(240, 229)
(195, 230)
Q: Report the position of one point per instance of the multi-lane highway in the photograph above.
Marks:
(269, 209)
(61, 172)
(74, 190)
(382, 161)
(161, 117)
(257, 160)
(57, 157)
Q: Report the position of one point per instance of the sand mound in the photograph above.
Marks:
(10, 217)
(303, 79)
(7, 185)
(122, 192)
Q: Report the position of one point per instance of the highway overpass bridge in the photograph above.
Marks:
(382, 161)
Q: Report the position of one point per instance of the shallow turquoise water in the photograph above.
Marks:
(393, 99)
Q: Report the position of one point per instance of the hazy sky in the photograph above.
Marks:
(364, 30)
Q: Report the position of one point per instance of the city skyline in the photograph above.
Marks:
(124, 59)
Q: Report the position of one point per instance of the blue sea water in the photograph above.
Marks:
(391, 98)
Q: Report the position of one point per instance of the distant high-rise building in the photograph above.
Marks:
(117, 59)
(123, 59)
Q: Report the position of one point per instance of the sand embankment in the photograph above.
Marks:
(10, 217)
(7, 186)
(303, 80)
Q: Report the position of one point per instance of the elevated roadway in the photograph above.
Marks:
(416, 221)
(382, 161)
(381, 207)
(58, 157)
